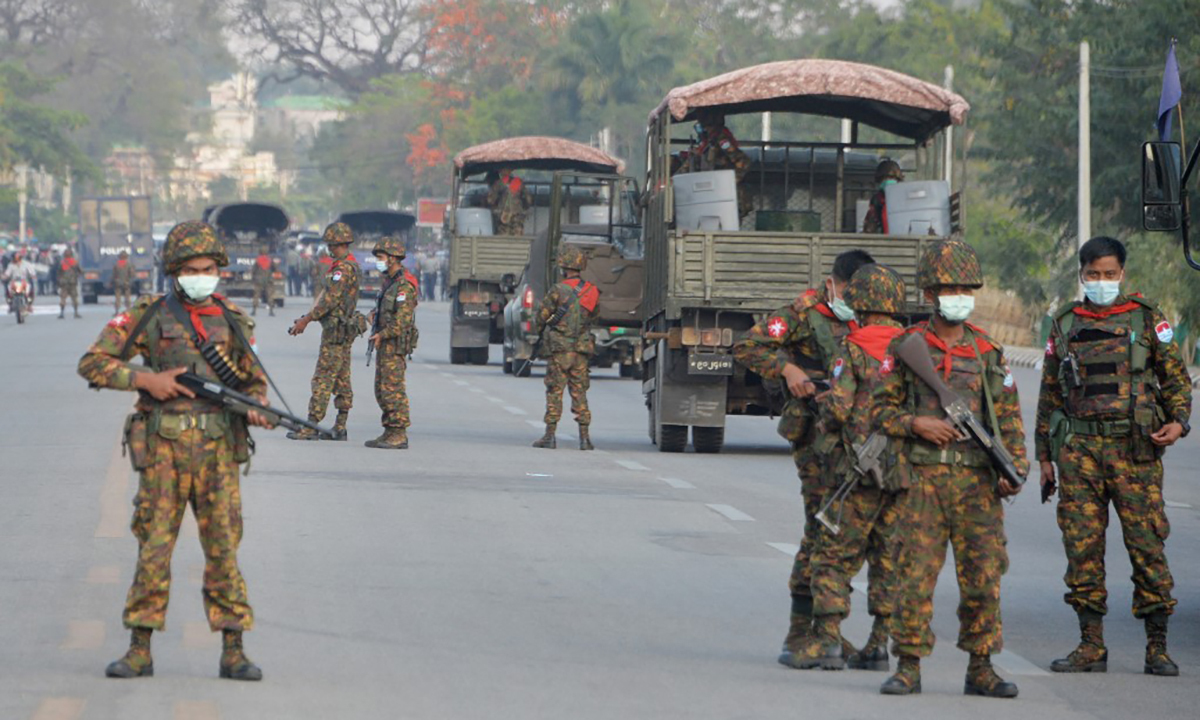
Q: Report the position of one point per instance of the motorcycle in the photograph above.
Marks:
(20, 298)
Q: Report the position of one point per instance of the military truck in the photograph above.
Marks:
(108, 225)
(369, 226)
(246, 227)
(598, 213)
(480, 259)
(711, 272)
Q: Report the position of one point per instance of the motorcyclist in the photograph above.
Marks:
(19, 269)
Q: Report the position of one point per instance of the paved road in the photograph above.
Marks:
(473, 576)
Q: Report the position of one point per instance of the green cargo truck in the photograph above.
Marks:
(713, 269)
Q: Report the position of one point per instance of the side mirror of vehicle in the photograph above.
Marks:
(1162, 201)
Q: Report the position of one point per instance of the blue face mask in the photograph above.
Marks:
(381, 265)
(1102, 292)
(844, 312)
(889, 181)
(956, 308)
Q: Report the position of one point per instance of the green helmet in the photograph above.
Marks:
(875, 289)
(888, 168)
(338, 234)
(192, 239)
(949, 262)
(390, 245)
(571, 258)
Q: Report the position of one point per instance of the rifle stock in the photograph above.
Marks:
(241, 404)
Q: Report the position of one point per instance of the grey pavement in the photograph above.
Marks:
(473, 576)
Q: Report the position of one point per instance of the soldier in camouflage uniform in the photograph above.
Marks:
(1115, 394)
(564, 324)
(187, 450)
(335, 309)
(955, 496)
(68, 283)
(886, 173)
(261, 279)
(122, 279)
(394, 335)
(717, 149)
(868, 508)
(509, 201)
(797, 345)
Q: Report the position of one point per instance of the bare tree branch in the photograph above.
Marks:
(36, 22)
(346, 43)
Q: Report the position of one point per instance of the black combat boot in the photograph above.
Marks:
(1090, 655)
(234, 663)
(1158, 662)
(824, 646)
(62, 309)
(906, 680)
(874, 655)
(585, 442)
(339, 425)
(77, 315)
(391, 439)
(136, 662)
(799, 629)
(982, 679)
(305, 433)
(547, 441)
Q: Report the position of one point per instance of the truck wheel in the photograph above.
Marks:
(672, 438)
(508, 366)
(459, 356)
(479, 356)
(631, 371)
(708, 439)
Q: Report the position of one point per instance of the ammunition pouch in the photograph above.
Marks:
(135, 441)
(795, 421)
(897, 471)
(1060, 433)
(1147, 420)
(408, 341)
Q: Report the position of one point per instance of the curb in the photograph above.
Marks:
(1032, 358)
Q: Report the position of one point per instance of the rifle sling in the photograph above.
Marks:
(987, 397)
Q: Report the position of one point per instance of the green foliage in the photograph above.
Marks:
(32, 133)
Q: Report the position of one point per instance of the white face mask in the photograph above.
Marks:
(381, 265)
(844, 312)
(1102, 292)
(198, 287)
(956, 308)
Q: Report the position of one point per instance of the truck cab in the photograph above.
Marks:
(245, 228)
(368, 227)
(108, 225)
(598, 213)
(484, 263)
(726, 245)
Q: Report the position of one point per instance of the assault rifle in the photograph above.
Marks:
(866, 463)
(559, 313)
(241, 404)
(914, 352)
(1069, 364)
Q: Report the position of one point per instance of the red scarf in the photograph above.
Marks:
(68, 263)
(122, 263)
(198, 311)
(264, 262)
(327, 261)
(514, 184)
(874, 339)
(962, 351)
(1102, 313)
(589, 296)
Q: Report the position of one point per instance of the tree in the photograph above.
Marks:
(347, 43)
(32, 133)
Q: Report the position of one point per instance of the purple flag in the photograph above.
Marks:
(1172, 91)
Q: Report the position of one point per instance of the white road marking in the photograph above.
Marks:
(1173, 504)
(59, 708)
(515, 410)
(463, 383)
(631, 465)
(477, 390)
(538, 475)
(678, 484)
(103, 575)
(786, 548)
(1017, 665)
(536, 423)
(730, 512)
(196, 710)
(445, 374)
(84, 635)
(496, 400)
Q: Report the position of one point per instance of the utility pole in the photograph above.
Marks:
(766, 128)
(22, 200)
(1085, 144)
(948, 160)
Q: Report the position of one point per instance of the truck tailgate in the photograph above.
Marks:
(487, 257)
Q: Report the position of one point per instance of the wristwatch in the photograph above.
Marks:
(1187, 428)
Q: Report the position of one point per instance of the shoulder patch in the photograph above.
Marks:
(1010, 382)
(777, 327)
(119, 321)
(337, 275)
(838, 368)
(886, 367)
(1164, 331)
(1050, 346)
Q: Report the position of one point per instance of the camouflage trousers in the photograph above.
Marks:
(960, 506)
(264, 293)
(201, 472)
(389, 389)
(868, 524)
(121, 294)
(813, 491)
(332, 377)
(1096, 471)
(567, 370)
(70, 292)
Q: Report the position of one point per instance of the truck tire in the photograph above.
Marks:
(508, 366)
(459, 356)
(708, 439)
(479, 356)
(631, 371)
(672, 438)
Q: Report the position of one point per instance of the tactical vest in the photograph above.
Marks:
(387, 306)
(170, 346)
(1113, 355)
(573, 332)
(967, 378)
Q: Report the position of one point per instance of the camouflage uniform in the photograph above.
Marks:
(868, 514)
(954, 497)
(568, 343)
(509, 202)
(186, 450)
(718, 150)
(876, 220)
(68, 285)
(395, 322)
(1133, 380)
(122, 280)
(263, 284)
(335, 310)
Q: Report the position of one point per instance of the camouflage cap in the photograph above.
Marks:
(949, 262)
(571, 258)
(390, 245)
(875, 289)
(338, 234)
(123, 254)
(189, 240)
(888, 168)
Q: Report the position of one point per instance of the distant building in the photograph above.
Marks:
(300, 117)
